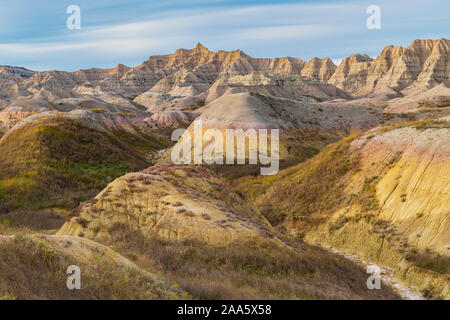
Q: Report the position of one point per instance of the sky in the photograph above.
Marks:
(34, 34)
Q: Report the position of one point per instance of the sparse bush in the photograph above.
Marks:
(428, 292)
(189, 214)
(206, 216)
(429, 260)
(300, 235)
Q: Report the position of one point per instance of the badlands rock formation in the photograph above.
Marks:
(188, 79)
(423, 62)
(352, 72)
(188, 223)
(378, 188)
(174, 202)
(383, 195)
(187, 70)
(16, 71)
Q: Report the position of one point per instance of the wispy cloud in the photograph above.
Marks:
(322, 28)
(293, 32)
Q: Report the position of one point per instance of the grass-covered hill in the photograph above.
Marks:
(35, 267)
(382, 194)
(57, 162)
(190, 226)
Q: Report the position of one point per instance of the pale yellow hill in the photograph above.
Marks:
(384, 195)
(174, 202)
(196, 230)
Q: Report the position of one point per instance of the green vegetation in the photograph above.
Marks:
(314, 186)
(429, 292)
(58, 163)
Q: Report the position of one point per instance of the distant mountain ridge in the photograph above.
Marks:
(363, 155)
(18, 71)
(190, 78)
(198, 65)
(423, 61)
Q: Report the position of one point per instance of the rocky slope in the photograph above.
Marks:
(305, 126)
(382, 195)
(188, 223)
(188, 79)
(423, 62)
(174, 202)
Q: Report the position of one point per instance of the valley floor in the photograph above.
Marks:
(387, 276)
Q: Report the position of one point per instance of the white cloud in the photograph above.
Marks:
(230, 25)
(290, 31)
(263, 30)
(117, 45)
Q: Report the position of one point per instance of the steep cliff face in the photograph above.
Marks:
(383, 195)
(423, 62)
(413, 190)
(407, 227)
(351, 73)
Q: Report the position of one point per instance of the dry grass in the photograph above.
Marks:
(247, 270)
(429, 260)
(314, 186)
(33, 270)
(295, 146)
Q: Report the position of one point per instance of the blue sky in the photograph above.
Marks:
(33, 34)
